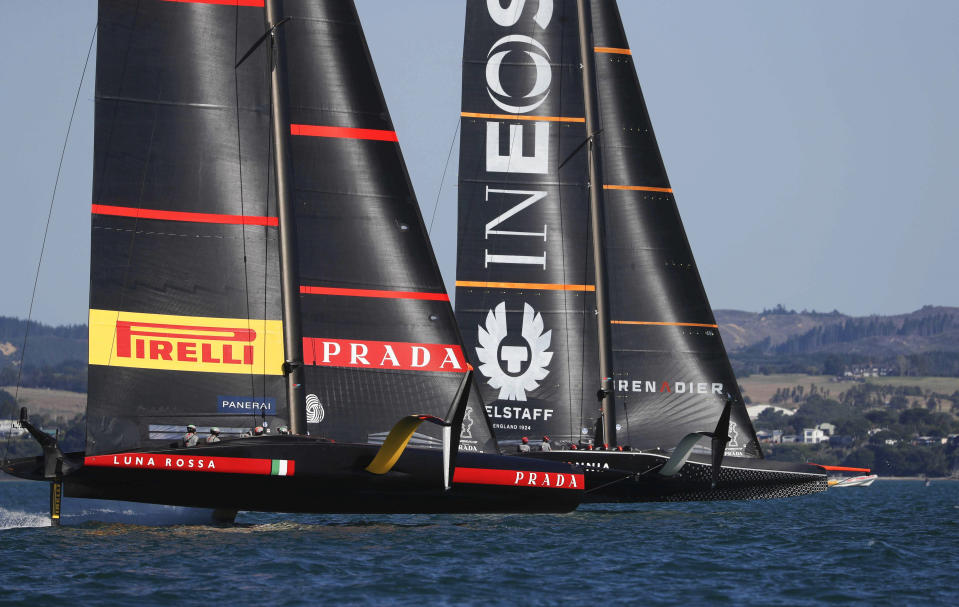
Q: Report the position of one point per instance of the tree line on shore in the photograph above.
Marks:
(894, 430)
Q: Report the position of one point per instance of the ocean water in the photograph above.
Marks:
(894, 543)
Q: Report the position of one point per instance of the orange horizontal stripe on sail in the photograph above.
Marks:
(305, 290)
(663, 324)
(611, 49)
(227, 2)
(248, 220)
(533, 286)
(519, 117)
(342, 132)
(640, 188)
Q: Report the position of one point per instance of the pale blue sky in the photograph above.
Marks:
(812, 146)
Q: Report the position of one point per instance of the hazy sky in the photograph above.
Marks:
(812, 146)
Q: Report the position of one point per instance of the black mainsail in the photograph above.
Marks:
(185, 318)
(525, 294)
(379, 335)
(530, 299)
(259, 258)
(672, 375)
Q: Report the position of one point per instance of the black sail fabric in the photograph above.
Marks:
(524, 290)
(184, 291)
(671, 372)
(380, 339)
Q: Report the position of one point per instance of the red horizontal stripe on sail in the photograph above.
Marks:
(189, 463)
(227, 2)
(249, 220)
(311, 130)
(400, 356)
(305, 290)
(518, 478)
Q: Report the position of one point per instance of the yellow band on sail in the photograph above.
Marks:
(186, 343)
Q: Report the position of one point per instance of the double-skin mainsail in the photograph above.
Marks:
(194, 291)
(529, 288)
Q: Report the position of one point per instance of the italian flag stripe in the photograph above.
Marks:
(281, 467)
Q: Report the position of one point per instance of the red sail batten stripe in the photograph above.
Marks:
(305, 290)
(258, 3)
(518, 478)
(225, 465)
(340, 132)
(249, 220)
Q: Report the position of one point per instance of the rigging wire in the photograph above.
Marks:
(573, 435)
(239, 164)
(46, 229)
(446, 167)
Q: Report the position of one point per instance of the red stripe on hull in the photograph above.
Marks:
(518, 478)
(191, 463)
(373, 293)
(312, 130)
(249, 220)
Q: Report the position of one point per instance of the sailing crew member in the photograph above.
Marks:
(283, 430)
(546, 445)
(524, 446)
(214, 436)
(190, 439)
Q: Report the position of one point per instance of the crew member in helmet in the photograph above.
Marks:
(214, 436)
(258, 431)
(524, 446)
(283, 430)
(190, 439)
(546, 445)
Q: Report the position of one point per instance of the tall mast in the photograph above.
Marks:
(597, 225)
(289, 282)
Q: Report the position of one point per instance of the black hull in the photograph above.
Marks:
(328, 478)
(613, 477)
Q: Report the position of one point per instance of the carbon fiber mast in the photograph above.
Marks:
(289, 281)
(597, 217)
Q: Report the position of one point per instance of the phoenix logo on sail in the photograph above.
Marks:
(532, 353)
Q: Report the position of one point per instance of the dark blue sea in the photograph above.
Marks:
(894, 543)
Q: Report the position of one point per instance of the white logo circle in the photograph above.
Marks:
(314, 409)
(514, 387)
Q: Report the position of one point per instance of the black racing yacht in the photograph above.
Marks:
(577, 292)
(260, 271)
